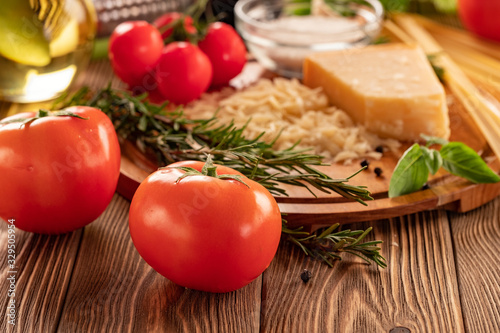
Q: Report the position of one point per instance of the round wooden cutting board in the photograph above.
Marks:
(445, 191)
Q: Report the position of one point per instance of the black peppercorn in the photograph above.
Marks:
(379, 149)
(305, 275)
(378, 171)
(364, 163)
(426, 186)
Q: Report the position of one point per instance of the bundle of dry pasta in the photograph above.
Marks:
(483, 110)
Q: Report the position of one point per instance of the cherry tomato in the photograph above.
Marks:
(163, 21)
(57, 173)
(134, 50)
(205, 233)
(481, 17)
(183, 73)
(226, 51)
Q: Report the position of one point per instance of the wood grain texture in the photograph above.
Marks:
(417, 291)
(476, 237)
(44, 265)
(97, 76)
(114, 290)
(94, 280)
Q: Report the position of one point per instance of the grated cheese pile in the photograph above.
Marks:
(300, 113)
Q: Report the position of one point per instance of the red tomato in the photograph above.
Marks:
(57, 173)
(226, 51)
(163, 21)
(183, 73)
(134, 50)
(482, 17)
(202, 232)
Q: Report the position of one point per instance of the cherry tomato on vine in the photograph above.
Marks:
(167, 19)
(134, 50)
(183, 72)
(203, 232)
(482, 17)
(226, 51)
(58, 172)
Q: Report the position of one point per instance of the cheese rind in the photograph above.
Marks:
(391, 89)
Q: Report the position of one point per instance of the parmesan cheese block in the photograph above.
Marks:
(391, 89)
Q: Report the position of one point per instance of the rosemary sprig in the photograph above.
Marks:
(326, 244)
(171, 137)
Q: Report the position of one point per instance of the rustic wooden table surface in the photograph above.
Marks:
(443, 275)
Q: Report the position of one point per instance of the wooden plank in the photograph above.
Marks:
(97, 75)
(43, 267)
(476, 237)
(417, 291)
(114, 290)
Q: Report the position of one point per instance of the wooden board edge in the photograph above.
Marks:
(461, 196)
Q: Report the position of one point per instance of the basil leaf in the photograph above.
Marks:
(395, 5)
(410, 173)
(463, 161)
(432, 159)
(432, 140)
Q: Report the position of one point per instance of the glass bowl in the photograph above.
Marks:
(280, 39)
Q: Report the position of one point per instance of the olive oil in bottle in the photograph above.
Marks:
(44, 44)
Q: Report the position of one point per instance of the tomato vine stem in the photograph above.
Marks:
(209, 170)
(42, 113)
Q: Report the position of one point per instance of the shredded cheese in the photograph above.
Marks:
(301, 114)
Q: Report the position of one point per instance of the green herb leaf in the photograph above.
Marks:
(438, 70)
(445, 6)
(298, 9)
(434, 140)
(432, 159)
(463, 161)
(381, 40)
(410, 173)
(143, 123)
(396, 5)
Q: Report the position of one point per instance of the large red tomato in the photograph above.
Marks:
(183, 73)
(482, 17)
(226, 51)
(57, 173)
(134, 50)
(202, 232)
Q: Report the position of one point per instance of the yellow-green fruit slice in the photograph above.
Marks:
(448, 6)
(21, 34)
(67, 40)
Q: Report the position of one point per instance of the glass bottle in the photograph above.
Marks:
(44, 44)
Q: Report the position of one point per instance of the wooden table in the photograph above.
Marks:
(443, 275)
